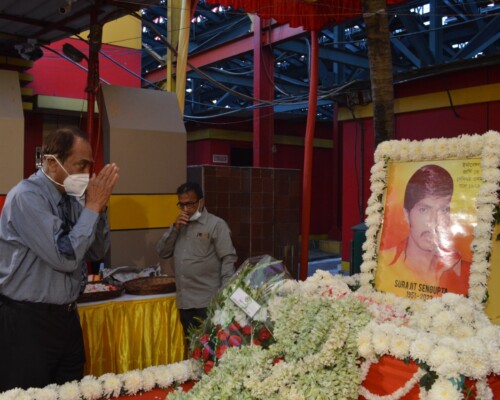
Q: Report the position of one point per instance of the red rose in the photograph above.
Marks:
(208, 366)
(218, 328)
(205, 338)
(196, 353)
(235, 327)
(235, 340)
(247, 330)
(223, 335)
(278, 360)
(264, 334)
(206, 353)
(256, 342)
(220, 350)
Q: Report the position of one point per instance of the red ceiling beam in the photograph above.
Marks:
(229, 50)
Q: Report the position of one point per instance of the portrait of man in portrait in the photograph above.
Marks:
(424, 245)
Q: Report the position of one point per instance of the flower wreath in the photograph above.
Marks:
(487, 148)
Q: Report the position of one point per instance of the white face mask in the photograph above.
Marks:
(196, 216)
(74, 184)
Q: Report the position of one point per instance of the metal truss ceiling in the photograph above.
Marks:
(426, 36)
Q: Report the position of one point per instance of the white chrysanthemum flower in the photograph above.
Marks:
(489, 160)
(444, 389)
(421, 348)
(42, 394)
(377, 187)
(381, 150)
(477, 293)
(444, 361)
(69, 391)
(148, 380)
(368, 266)
(400, 345)
(463, 331)
(366, 278)
(484, 220)
(381, 342)
(443, 319)
(15, 394)
(132, 381)
(90, 388)
(111, 385)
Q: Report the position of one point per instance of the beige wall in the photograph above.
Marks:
(144, 134)
(11, 131)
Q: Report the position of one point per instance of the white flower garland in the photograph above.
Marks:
(112, 385)
(487, 148)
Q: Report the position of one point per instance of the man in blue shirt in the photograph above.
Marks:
(51, 224)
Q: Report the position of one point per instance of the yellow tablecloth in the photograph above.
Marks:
(131, 332)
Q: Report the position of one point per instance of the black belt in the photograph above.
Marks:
(39, 306)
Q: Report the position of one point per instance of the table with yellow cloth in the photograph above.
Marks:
(131, 332)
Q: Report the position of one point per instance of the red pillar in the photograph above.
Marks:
(263, 116)
(308, 156)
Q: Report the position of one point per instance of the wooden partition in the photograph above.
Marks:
(144, 134)
(11, 132)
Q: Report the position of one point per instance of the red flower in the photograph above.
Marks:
(206, 353)
(196, 353)
(278, 360)
(223, 335)
(235, 327)
(208, 366)
(247, 330)
(220, 350)
(205, 338)
(264, 334)
(235, 340)
(256, 342)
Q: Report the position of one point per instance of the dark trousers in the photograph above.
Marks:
(40, 344)
(192, 317)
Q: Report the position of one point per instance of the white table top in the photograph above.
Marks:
(126, 297)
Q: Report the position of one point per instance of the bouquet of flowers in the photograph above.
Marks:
(238, 315)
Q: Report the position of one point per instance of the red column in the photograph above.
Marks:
(263, 116)
(308, 156)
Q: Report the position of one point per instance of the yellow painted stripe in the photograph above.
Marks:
(226, 134)
(459, 97)
(18, 62)
(62, 103)
(346, 266)
(142, 211)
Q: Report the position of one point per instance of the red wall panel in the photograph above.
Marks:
(56, 76)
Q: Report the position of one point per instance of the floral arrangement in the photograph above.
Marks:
(487, 148)
(314, 354)
(234, 321)
(112, 385)
(327, 337)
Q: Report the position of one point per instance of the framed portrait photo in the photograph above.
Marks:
(430, 217)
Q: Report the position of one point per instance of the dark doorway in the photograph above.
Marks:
(241, 157)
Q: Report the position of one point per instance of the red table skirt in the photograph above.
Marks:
(384, 378)
(390, 374)
(156, 394)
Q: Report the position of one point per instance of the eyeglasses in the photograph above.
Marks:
(188, 205)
